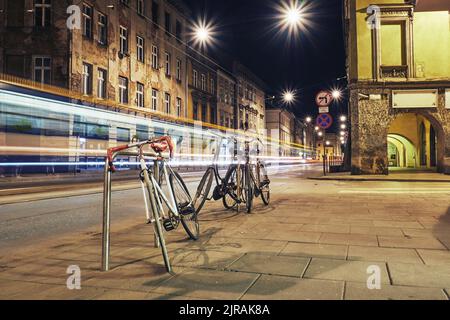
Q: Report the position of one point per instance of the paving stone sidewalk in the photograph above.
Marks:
(303, 246)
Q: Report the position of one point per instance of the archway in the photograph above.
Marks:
(415, 141)
(406, 152)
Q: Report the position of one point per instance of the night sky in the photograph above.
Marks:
(312, 61)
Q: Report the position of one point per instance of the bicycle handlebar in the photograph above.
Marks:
(159, 145)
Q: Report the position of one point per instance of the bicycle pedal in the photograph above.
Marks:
(168, 225)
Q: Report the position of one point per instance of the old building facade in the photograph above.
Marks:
(202, 84)
(280, 124)
(226, 99)
(251, 100)
(399, 82)
(129, 52)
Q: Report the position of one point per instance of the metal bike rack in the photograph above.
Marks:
(107, 191)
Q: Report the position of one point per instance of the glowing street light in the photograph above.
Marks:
(337, 94)
(342, 133)
(202, 33)
(308, 119)
(343, 126)
(316, 128)
(288, 97)
(320, 133)
(292, 17)
(343, 118)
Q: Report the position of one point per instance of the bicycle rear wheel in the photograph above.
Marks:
(248, 189)
(234, 185)
(188, 213)
(203, 190)
(264, 184)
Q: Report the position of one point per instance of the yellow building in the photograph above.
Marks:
(399, 78)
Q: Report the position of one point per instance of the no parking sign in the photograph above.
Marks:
(324, 121)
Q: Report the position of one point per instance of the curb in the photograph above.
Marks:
(375, 179)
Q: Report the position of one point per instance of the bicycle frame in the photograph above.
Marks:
(170, 203)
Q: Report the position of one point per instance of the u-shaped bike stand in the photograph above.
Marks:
(107, 195)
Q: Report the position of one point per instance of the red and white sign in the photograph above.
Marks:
(324, 99)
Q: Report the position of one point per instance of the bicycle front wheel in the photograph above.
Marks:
(188, 213)
(203, 190)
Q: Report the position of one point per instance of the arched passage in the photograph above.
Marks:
(405, 156)
(418, 139)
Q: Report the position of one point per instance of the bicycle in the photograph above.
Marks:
(256, 181)
(225, 186)
(179, 203)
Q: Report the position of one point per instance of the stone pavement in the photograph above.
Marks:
(395, 176)
(313, 242)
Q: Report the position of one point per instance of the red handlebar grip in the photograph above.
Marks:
(110, 156)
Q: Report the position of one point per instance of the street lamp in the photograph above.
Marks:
(337, 94)
(202, 33)
(288, 96)
(316, 128)
(292, 17)
(343, 126)
(308, 119)
(343, 118)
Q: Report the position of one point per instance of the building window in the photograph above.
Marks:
(102, 29)
(42, 69)
(140, 95)
(155, 11)
(167, 102)
(123, 40)
(42, 13)
(195, 111)
(87, 79)
(204, 113)
(101, 83)
(212, 83)
(203, 82)
(155, 58)
(195, 79)
(123, 90)
(140, 49)
(155, 95)
(87, 21)
(179, 107)
(123, 134)
(140, 7)
(168, 22)
(179, 31)
(178, 70)
(168, 58)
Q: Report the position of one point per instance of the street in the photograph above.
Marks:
(316, 240)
